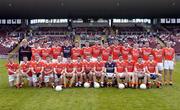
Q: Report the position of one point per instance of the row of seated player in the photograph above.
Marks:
(103, 73)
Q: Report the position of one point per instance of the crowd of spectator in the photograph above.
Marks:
(90, 34)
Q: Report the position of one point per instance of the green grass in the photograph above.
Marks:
(167, 98)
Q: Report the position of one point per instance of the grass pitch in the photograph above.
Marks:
(167, 98)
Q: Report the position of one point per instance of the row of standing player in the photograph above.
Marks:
(96, 50)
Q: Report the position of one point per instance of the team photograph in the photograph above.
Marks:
(89, 55)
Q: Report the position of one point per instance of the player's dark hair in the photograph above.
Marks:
(119, 55)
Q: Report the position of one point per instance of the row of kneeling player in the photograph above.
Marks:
(41, 73)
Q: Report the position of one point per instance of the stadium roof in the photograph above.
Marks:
(89, 8)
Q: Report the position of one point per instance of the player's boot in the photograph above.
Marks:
(165, 82)
(171, 83)
(126, 85)
(158, 85)
(77, 84)
(80, 84)
(136, 85)
(102, 84)
(149, 85)
(17, 86)
(53, 85)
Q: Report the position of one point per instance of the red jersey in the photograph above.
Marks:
(135, 54)
(120, 65)
(12, 66)
(106, 52)
(168, 53)
(130, 66)
(87, 51)
(48, 67)
(125, 51)
(158, 55)
(99, 65)
(75, 52)
(151, 66)
(25, 66)
(37, 66)
(35, 51)
(56, 51)
(69, 67)
(116, 50)
(96, 51)
(88, 65)
(59, 67)
(45, 52)
(79, 66)
(140, 66)
(146, 52)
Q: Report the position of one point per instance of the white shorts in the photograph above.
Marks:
(168, 64)
(74, 60)
(46, 78)
(51, 75)
(121, 75)
(93, 59)
(130, 73)
(140, 75)
(35, 78)
(64, 59)
(160, 66)
(54, 60)
(11, 77)
(58, 78)
(29, 78)
(110, 75)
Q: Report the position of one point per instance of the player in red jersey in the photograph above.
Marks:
(120, 71)
(87, 51)
(59, 68)
(158, 57)
(146, 51)
(79, 66)
(140, 71)
(88, 67)
(96, 51)
(130, 70)
(75, 52)
(45, 51)
(13, 69)
(56, 50)
(135, 52)
(106, 52)
(116, 50)
(25, 69)
(169, 62)
(125, 51)
(36, 50)
(69, 73)
(37, 68)
(99, 69)
(48, 72)
(152, 71)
